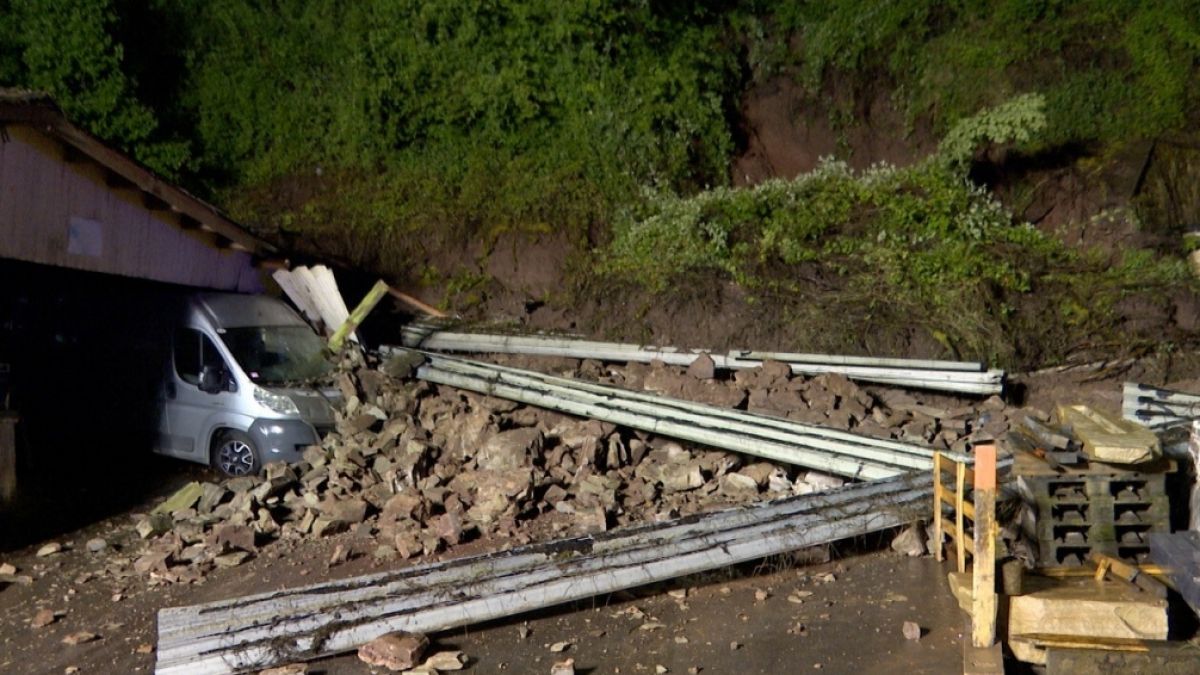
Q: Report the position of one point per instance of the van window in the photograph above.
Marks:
(193, 351)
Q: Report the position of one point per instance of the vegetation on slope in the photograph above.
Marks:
(370, 126)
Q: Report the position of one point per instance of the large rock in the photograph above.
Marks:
(510, 449)
(394, 651)
(702, 368)
(349, 511)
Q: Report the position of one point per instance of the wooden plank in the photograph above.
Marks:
(298, 294)
(983, 597)
(1044, 640)
(260, 631)
(1158, 571)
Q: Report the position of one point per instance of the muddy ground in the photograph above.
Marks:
(851, 622)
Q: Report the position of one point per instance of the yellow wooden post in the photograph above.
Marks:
(983, 595)
(938, 551)
(356, 317)
(960, 491)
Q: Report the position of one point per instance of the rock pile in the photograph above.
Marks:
(418, 468)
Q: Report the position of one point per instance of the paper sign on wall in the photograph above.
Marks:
(85, 237)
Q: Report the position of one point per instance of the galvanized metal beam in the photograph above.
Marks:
(842, 465)
(952, 376)
(260, 631)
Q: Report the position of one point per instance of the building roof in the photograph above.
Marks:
(39, 112)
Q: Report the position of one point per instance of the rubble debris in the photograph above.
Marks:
(49, 549)
(446, 660)
(43, 618)
(524, 578)
(394, 651)
(96, 545)
(8, 569)
(564, 667)
(289, 669)
(405, 467)
(185, 498)
(80, 637)
(816, 447)
(558, 647)
(911, 541)
(912, 630)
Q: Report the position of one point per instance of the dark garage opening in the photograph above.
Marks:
(83, 357)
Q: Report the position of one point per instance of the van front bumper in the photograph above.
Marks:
(282, 440)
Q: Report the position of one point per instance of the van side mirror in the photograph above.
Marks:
(214, 379)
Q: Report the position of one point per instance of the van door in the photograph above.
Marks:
(187, 409)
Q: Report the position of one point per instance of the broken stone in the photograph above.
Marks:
(774, 372)
(510, 449)
(239, 537)
(911, 630)
(232, 559)
(155, 561)
(289, 669)
(702, 368)
(323, 526)
(96, 545)
(823, 481)
(43, 618)
(79, 638)
(447, 660)
(394, 651)
(564, 667)
(154, 525)
(676, 477)
(558, 647)
(349, 511)
(49, 549)
(8, 569)
(184, 498)
(911, 541)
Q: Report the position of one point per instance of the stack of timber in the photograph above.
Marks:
(833, 451)
(306, 623)
(950, 376)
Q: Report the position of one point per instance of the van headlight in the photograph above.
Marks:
(275, 402)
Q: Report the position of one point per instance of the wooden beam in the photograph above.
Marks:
(983, 597)
(938, 497)
(256, 632)
(356, 317)
(416, 304)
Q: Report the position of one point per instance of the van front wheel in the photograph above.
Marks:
(234, 454)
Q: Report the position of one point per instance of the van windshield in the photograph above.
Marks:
(278, 354)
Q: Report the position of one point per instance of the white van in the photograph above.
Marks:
(240, 387)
